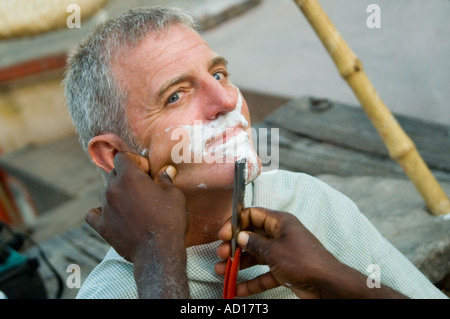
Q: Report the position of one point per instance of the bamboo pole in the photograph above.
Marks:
(401, 148)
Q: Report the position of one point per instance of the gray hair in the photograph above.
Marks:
(95, 99)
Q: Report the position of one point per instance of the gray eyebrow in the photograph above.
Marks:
(166, 86)
(218, 60)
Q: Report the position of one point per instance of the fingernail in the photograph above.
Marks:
(171, 171)
(242, 238)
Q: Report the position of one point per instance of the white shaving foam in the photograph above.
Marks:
(235, 147)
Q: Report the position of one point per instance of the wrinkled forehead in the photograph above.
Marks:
(155, 44)
(156, 48)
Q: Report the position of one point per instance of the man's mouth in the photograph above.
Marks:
(219, 140)
(225, 137)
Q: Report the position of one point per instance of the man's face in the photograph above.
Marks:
(185, 111)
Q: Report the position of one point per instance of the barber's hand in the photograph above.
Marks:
(295, 257)
(145, 221)
(139, 213)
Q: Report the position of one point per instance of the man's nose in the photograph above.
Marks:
(219, 100)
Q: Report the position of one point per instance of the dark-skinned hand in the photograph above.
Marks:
(295, 257)
(145, 221)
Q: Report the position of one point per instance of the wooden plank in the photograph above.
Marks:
(313, 157)
(76, 246)
(402, 219)
(67, 215)
(60, 254)
(349, 127)
(302, 154)
(261, 104)
(89, 245)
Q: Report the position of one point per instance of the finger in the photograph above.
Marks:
(223, 250)
(255, 244)
(246, 261)
(111, 175)
(141, 161)
(225, 233)
(249, 216)
(262, 218)
(257, 285)
(92, 217)
(220, 268)
(165, 176)
(125, 161)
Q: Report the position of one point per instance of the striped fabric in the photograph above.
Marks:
(332, 217)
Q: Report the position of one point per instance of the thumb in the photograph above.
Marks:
(165, 176)
(93, 217)
(141, 161)
(255, 244)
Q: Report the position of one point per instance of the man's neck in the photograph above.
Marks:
(208, 211)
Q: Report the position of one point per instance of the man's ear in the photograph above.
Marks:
(103, 148)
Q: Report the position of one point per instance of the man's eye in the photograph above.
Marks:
(218, 76)
(173, 98)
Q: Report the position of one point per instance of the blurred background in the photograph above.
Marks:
(271, 49)
(48, 183)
